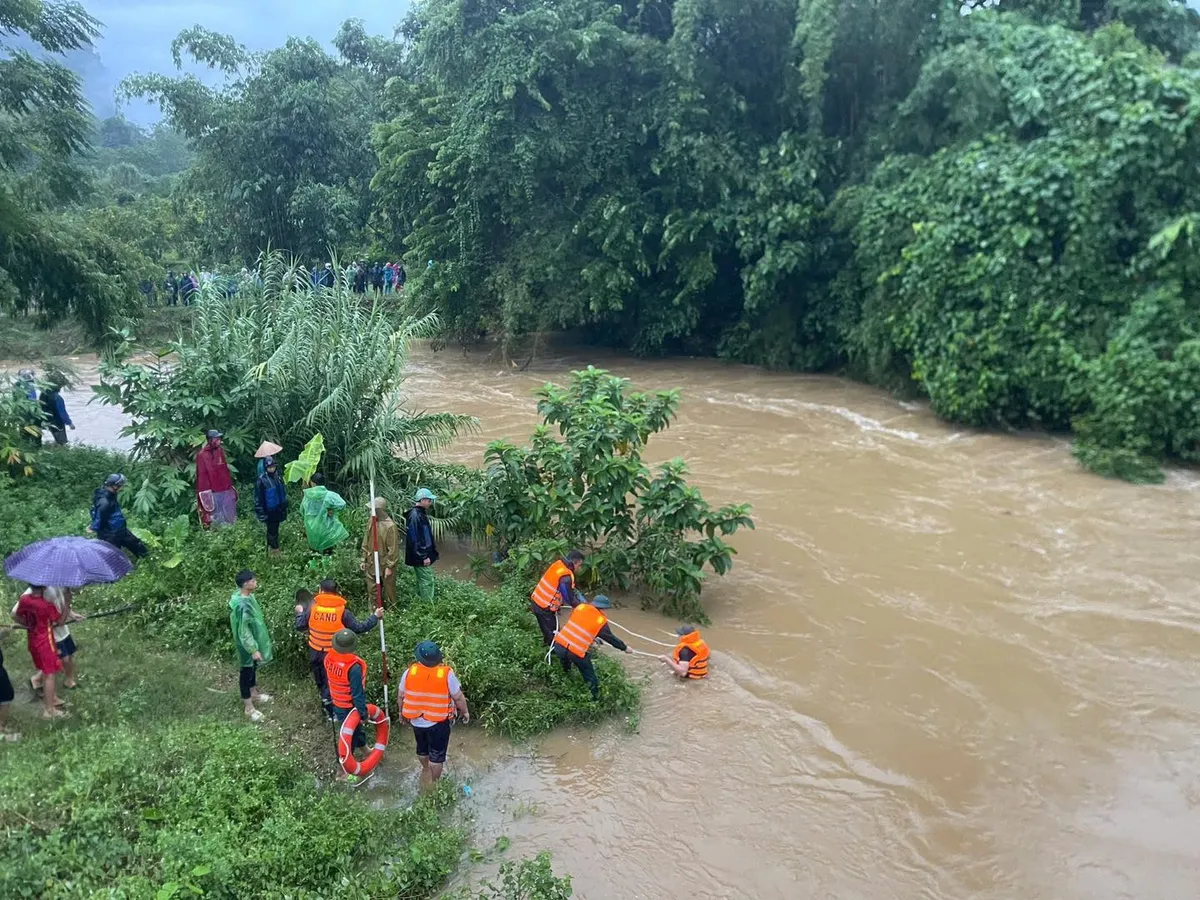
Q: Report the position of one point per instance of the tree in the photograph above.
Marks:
(643, 529)
(49, 265)
(282, 147)
(248, 369)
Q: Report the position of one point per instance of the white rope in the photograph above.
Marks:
(644, 653)
(550, 650)
(636, 635)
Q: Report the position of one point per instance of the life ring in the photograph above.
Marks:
(383, 726)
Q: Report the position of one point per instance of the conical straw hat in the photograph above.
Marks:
(265, 449)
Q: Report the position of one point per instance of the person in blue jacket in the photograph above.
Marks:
(108, 521)
(271, 502)
(54, 411)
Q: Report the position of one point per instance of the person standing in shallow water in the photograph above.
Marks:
(429, 695)
(420, 549)
(689, 659)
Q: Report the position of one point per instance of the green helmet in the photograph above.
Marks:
(345, 641)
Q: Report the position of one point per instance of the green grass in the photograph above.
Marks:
(157, 780)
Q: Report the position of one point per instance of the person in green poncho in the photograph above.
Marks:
(324, 529)
(252, 640)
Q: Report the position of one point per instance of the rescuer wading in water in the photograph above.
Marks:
(430, 693)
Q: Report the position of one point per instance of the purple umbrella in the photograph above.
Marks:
(70, 562)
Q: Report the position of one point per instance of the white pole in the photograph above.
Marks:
(379, 595)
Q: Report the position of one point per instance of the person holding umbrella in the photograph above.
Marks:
(68, 562)
(108, 521)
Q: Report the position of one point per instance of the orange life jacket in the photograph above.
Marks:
(337, 670)
(581, 629)
(324, 620)
(427, 693)
(546, 595)
(698, 664)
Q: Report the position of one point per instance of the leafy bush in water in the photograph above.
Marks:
(283, 361)
(642, 529)
(530, 879)
(202, 808)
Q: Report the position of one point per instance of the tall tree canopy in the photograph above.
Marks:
(957, 197)
(48, 263)
(283, 152)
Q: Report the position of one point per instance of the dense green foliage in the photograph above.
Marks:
(285, 361)
(591, 491)
(961, 203)
(51, 263)
(489, 637)
(283, 152)
(152, 791)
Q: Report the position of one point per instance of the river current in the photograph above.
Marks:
(946, 664)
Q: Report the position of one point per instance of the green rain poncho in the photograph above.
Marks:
(321, 523)
(249, 629)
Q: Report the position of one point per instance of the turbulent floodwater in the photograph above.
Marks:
(946, 664)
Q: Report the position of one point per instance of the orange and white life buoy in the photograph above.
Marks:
(383, 726)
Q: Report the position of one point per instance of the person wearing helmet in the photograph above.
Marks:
(346, 673)
(430, 694)
(108, 521)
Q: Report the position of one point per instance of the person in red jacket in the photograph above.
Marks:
(215, 495)
(38, 615)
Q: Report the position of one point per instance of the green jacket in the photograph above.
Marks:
(249, 629)
(321, 524)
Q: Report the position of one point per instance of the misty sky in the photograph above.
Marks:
(138, 33)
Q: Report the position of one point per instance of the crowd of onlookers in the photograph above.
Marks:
(379, 277)
(180, 289)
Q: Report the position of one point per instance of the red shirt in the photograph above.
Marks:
(39, 615)
(212, 471)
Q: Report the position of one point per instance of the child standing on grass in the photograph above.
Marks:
(251, 639)
(38, 615)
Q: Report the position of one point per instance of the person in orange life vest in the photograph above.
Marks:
(554, 591)
(690, 657)
(573, 643)
(346, 674)
(324, 617)
(430, 693)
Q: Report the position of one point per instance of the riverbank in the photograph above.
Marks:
(162, 679)
(23, 340)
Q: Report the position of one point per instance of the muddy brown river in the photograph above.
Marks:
(946, 664)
